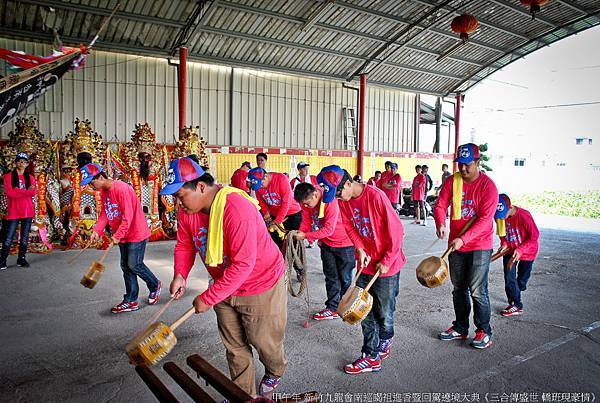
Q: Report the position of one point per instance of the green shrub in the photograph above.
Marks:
(573, 204)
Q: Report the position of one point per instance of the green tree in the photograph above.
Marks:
(484, 158)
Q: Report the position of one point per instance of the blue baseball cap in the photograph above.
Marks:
(331, 178)
(393, 165)
(302, 164)
(88, 172)
(180, 171)
(467, 153)
(255, 177)
(503, 206)
(22, 156)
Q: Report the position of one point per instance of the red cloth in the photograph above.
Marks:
(122, 210)
(277, 198)
(522, 234)
(373, 225)
(294, 182)
(329, 229)
(418, 187)
(238, 180)
(480, 199)
(20, 200)
(394, 180)
(252, 262)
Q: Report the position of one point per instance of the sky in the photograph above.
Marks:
(517, 107)
(535, 108)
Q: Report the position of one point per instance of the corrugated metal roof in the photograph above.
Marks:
(397, 43)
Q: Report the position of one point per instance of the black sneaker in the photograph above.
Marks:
(21, 262)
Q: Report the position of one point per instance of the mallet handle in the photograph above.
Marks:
(183, 318)
(461, 233)
(377, 273)
(105, 254)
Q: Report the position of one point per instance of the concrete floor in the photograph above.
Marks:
(60, 343)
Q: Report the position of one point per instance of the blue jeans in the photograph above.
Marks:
(515, 279)
(469, 274)
(379, 323)
(132, 264)
(9, 233)
(338, 264)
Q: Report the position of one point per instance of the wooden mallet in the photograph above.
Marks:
(155, 342)
(433, 271)
(95, 271)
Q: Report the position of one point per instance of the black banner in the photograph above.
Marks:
(18, 91)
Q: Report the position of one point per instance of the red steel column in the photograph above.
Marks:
(361, 122)
(182, 71)
(457, 126)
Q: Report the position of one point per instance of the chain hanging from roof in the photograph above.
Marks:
(535, 6)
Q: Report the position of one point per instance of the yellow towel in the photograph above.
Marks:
(214, 251)
(500, 227)
(457, 190)
(321, 210)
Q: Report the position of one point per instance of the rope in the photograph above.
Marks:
(295, 255)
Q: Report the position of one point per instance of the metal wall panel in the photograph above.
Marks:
(116, 91)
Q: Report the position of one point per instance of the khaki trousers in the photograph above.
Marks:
(258, 321)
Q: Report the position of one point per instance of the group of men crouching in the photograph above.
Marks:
(352, 222)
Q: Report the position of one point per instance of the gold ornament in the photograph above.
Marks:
(191, 143)
(83, 139)
(28, 139)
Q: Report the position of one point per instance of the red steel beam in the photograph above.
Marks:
(361, 122)
(182, 72)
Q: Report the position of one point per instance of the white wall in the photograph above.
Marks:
(115, 91)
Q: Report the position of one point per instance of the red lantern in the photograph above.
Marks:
(534, 6)
(464, 25)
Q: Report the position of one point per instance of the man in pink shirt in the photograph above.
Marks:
(238, 179)
(248, 294)
(385, 174)
(519, 244)
(303, 176)
(122, 211)
(374, 180)
(337, 251)
(470, 260)
(391, 186)
(418, 196)
(377, 233)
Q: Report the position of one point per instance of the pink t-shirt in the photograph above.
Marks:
(394, 180)
(238, 180)
(252, 262)
(277, 198)
(122, 210)
(385, 175)
(373, 225)
(418, 187)
(19, 199)
(480, 199)
(522, 234)
(329, 229)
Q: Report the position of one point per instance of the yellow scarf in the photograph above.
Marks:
(500, 227)
(457, 190)
(214, 251)
(321, 210)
